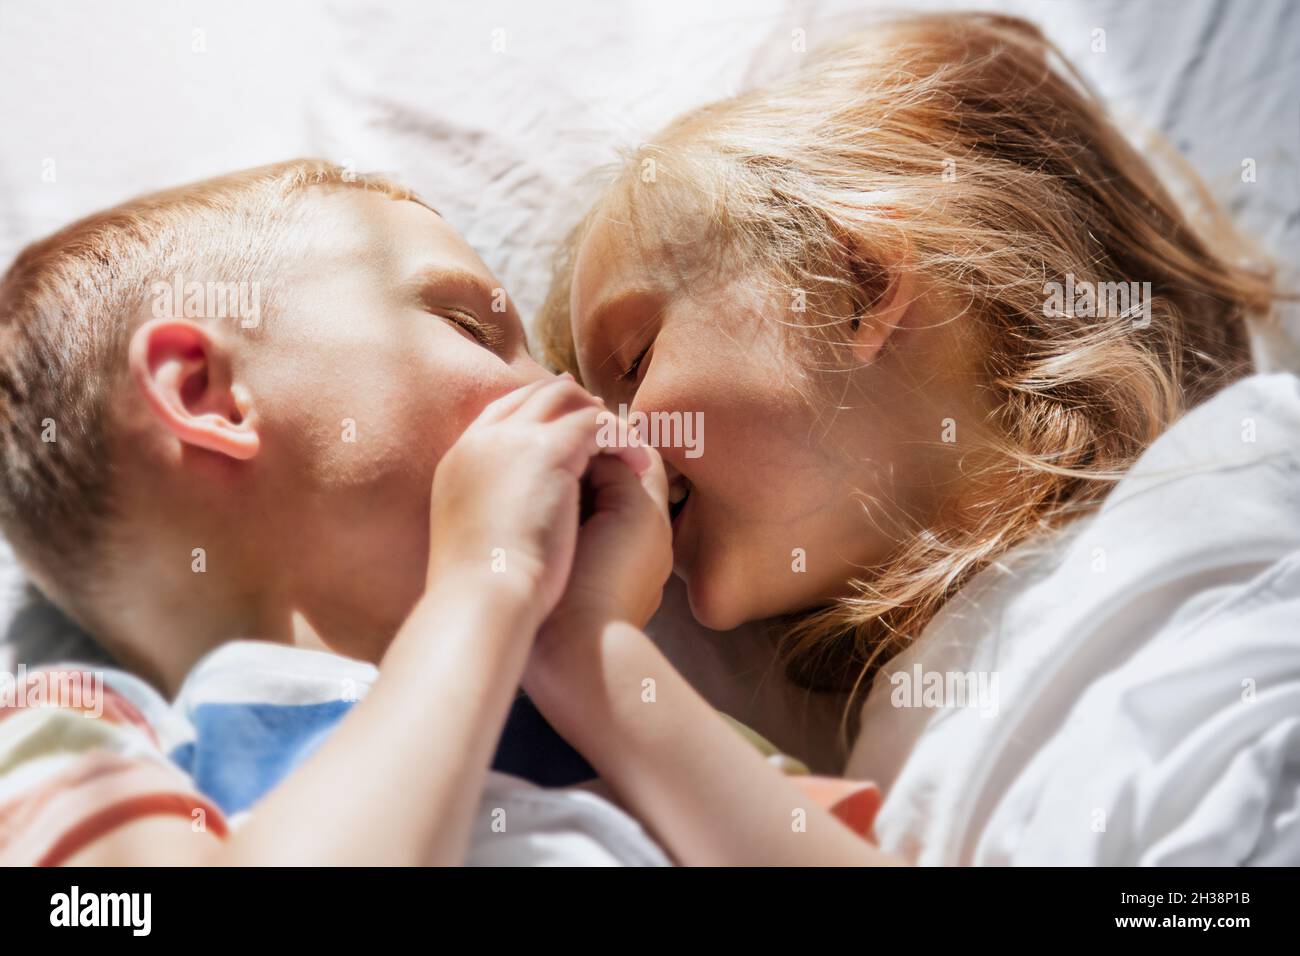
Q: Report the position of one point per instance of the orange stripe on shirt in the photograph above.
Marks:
(88, 797)
(854, 802)
(118, 814)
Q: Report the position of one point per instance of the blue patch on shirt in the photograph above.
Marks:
(242, 751)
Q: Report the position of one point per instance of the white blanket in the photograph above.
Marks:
(1129, 694)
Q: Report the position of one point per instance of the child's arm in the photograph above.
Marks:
(398, 781)
(676, 764)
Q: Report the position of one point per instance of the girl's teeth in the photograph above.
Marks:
(676, 494)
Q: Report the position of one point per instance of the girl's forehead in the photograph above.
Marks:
(615, 255)
(600, 269)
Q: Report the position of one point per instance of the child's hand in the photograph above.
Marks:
(624, 553)
(506, 494)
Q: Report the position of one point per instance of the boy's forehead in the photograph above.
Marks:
(362, 227)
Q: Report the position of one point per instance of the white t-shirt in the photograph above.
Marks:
(1131, 688)
(246, 716)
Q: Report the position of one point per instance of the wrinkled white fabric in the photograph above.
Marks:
(1147, 662)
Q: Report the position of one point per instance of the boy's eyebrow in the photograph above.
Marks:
(456, 279)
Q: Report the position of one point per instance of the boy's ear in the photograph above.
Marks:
(185, 379)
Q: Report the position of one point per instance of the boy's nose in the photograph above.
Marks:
(529, 370)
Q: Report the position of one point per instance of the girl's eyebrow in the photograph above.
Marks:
(649, 302)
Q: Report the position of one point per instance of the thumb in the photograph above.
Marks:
(654, 479)
(613, 488)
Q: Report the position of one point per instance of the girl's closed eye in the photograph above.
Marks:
(633, 371)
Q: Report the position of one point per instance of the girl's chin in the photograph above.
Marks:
(712, 605)
(723, 598)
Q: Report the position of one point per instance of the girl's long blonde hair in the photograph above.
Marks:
(967, 141)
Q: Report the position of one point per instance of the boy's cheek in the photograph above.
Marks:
(459, 395)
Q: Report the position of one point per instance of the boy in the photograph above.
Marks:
(173, 479)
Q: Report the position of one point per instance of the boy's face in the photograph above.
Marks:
(387, 336)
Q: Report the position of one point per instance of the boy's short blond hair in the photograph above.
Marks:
(68, 306)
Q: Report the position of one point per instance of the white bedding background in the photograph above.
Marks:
(495, 111)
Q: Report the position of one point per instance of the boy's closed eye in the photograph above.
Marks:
(463, 299)
(485, 334)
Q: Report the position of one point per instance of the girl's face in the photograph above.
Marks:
(800, 480)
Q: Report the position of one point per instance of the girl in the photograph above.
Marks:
(932, 307)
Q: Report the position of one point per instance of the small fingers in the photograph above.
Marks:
(612, 484)
(562, 396)
(506, 405)
(654, 479)
(587, 432)
(627, 444)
